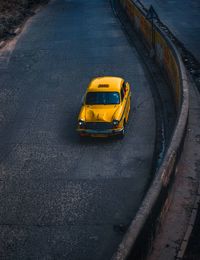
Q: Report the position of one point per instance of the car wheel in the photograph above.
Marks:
(122, 133)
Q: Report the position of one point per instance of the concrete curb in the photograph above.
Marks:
(190, 227)
(138, 239)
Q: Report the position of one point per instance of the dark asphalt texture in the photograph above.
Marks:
(60, 197)
(183, 19)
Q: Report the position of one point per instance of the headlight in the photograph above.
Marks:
(81, 123)
(115, 122)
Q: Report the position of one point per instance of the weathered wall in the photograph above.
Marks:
(138, 239)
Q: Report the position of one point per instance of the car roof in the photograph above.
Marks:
(105, 84)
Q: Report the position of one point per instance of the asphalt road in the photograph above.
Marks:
(60, 197)
(183, 19)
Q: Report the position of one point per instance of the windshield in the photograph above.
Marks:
(105, 98)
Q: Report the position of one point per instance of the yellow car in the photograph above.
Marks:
(105, 108)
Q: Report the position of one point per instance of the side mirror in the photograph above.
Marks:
(127, 86)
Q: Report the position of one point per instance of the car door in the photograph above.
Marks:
(123, 102)
(128, 97)
(125, 93)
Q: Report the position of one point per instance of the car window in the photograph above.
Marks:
(122, 93)
(105, 98)
(124, 87)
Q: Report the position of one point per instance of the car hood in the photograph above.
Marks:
(102, 113)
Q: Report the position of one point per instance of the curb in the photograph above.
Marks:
(190, 227)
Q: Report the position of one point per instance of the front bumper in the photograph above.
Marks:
(100, 132)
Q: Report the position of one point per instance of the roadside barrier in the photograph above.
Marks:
(138, 239)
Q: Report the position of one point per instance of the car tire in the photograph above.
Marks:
(122, 133)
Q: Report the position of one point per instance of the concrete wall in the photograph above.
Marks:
(139, 237)
(164, 50)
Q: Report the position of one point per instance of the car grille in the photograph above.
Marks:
(98, 125)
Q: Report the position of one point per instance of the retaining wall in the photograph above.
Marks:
(138, 239)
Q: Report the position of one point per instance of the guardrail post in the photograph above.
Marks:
(151, 16)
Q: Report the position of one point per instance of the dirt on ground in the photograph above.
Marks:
(13, 13)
